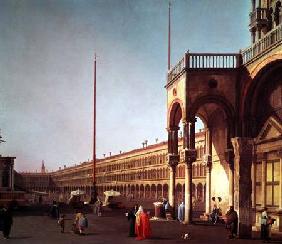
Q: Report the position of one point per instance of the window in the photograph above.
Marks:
(272, 183)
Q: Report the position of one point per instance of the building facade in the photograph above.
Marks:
(140, 175)
(239, 98)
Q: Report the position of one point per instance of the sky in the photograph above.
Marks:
(46, 71)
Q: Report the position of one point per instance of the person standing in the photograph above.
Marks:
(132, 218)
(264, 225)
(232, 222)
(82, 224)
(55, 210)
(181, 211)
(61, 223)
(7, 221)
(142, 225)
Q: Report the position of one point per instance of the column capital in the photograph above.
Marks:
(242, 145)
(192, 120)
(172, 128)
(190, 155)
(173, 160)
(207, 160)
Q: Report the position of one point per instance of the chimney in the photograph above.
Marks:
(146, 143)
(110, 154)
(104, 155)
(157, 139)
(65, 166)
(119, 151)
(143, 143)
(60, 168)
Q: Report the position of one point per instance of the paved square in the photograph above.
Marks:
(112, 227)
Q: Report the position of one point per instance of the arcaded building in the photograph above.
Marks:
(238, 96)
(139, 175)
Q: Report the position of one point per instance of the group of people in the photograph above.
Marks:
(266, 223)
(80, 223)
(6, 220)
(139, 223)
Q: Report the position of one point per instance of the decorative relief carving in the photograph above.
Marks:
(173, 160)
(243, 146)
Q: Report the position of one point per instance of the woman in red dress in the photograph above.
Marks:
(142, 225)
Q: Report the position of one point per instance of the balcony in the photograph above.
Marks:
(258, 16)
(268, 42)
(200, 61)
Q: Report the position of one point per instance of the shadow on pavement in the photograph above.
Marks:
(20, 237)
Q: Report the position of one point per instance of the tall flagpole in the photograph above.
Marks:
(94, 190)
(168, 58)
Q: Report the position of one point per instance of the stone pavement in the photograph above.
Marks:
(112, 227)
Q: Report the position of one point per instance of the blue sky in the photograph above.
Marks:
(46, 66)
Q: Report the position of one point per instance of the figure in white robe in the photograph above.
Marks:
(181, 212)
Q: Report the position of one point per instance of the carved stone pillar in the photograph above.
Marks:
(1, 176)
(208, 163)
(243, 150)
(254, 185)
(173, 140)
(229, 156)
(280, 184)
(173, 162)
(189, 157)
(263, 182)
(253, 5)
(279, 213)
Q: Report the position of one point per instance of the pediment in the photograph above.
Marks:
(272, 129)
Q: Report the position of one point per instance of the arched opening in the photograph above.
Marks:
(165, 191)
(142, 191)
(147, 191)
(159, 192)
(153, 191)
(213, 141)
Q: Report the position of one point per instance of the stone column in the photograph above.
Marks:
(243, 150)
(254, 185)
(229, 156)
(279, 213)
(1, 176)
(263, 183)
(12, 176)
(190, 156)
(173, 162)
(253, 5)
(208, 163)
(280, 183)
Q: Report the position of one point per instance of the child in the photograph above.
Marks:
(61, 222)
(82, 224)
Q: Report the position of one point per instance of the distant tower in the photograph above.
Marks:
(43, 170)
(265, 15)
